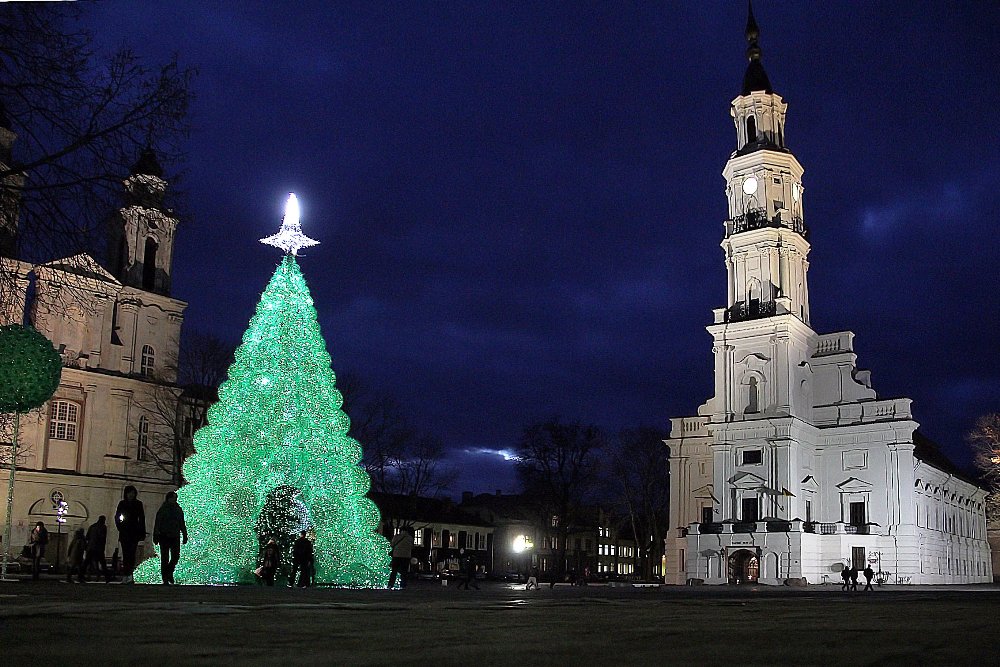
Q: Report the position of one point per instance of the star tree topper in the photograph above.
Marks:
(290, 237)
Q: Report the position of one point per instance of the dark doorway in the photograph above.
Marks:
(858, 514)
(749, 507)
(744, 567)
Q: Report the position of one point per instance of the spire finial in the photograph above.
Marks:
(752, 34)
(755, 77)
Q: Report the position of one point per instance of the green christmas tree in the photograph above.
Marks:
(275, 457)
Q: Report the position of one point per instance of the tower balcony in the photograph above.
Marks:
(756, 218)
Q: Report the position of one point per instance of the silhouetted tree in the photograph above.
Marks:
(985, 440)
(558, 467)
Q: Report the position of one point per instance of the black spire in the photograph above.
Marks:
(148, 164)
(755, 77)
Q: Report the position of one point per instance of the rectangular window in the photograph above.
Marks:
(555, 521)
(753, 457)
(63, 422)
(706, 514)
(809, 511)
(858, 514)
(611, 550)
(858, 557)
(749, 510)
(418, 538)
(451, 540)
(482, 542)
(681, 563)
(463, 540)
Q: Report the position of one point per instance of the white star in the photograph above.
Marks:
(290, 237)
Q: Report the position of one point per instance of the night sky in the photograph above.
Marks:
(520, 204)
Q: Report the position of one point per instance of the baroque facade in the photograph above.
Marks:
(117, 330)
(795, 468)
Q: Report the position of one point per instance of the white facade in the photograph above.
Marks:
(118, 335)
(795, 467)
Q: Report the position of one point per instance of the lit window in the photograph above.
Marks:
(63, 422)
(418, 538)
(555, 521)
(611, 550)
(143, 453)
(147, 361)
(481, 541)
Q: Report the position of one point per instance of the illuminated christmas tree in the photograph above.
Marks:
(275, 457)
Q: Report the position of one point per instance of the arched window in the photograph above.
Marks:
(751, 129)
(752, 403)
(63, 421)
(149, 265)
(148, 361)
(143, 450)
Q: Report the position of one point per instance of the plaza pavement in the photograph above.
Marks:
(53, 623)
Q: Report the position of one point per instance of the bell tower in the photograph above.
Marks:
(765, 235)
(141, 238)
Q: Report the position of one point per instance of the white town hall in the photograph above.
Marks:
(795, 468)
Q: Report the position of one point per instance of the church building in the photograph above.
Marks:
(795, 468)
(117, 329)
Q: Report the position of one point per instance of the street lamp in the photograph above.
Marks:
(62, 507)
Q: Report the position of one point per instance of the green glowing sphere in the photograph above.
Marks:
(275, 459)
(29, 369)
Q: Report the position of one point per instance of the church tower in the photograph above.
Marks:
(765, 243)
(141, 238)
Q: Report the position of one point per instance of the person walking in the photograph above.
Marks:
(168, 531)
(75, 555)
(532, 578)
(302, 561)
(130, 519)
(37, 541)
(845, 574)
(468, 565)
(869, 575)
(402, 551)
(97, 541)
(854, 578)
(270, 562)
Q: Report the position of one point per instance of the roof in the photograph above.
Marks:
(148, 164)
(927, 451)
(755, 78)
(82, 265)
(424, 510)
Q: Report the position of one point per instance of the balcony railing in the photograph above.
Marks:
(756, 218)
(710, 528)
(744, 526)
(754, 310)
(855, 530)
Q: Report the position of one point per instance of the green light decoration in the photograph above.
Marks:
(275, 459)
(30, 370)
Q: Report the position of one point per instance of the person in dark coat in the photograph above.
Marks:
(75, 555)
(468, 564)
(39, 538)
(168, 531)
(97, 541)
(271, 562)
(130, 518)
(845, 574)
(302, 561)
(869, 575)
(402, 551)
(854, 578)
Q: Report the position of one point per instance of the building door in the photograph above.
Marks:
(744, 567)
(858, 558)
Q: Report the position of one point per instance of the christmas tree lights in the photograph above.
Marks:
(275, 458)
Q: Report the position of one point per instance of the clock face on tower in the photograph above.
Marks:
(750, 186)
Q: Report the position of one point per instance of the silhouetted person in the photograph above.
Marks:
(845, 574)
(302, 561)
(402, 551)
(869, 575)
(854, 578)
(168, 531)
(97, 541)
(37, 541)
(270, 562)
(468, 565)
(130, 518)
(532, 578)
(75, 555)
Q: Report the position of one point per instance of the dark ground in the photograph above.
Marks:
(51, 623)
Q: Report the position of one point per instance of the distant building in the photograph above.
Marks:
(441, 530)
(118, 332)
(795, 468)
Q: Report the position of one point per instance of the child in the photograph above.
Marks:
(74, 557)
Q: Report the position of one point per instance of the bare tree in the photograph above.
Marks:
(402, 462)
(71, 125)
(558, 467)
(178, 400)
(638, 469)
(985, 441)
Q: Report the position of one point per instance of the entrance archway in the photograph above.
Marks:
(744, 567)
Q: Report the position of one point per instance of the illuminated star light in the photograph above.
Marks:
(290, 237)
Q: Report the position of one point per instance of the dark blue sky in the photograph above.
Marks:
(520, 205)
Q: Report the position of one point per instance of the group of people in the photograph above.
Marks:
(850, 577)
(303, 562)
(87, 549)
